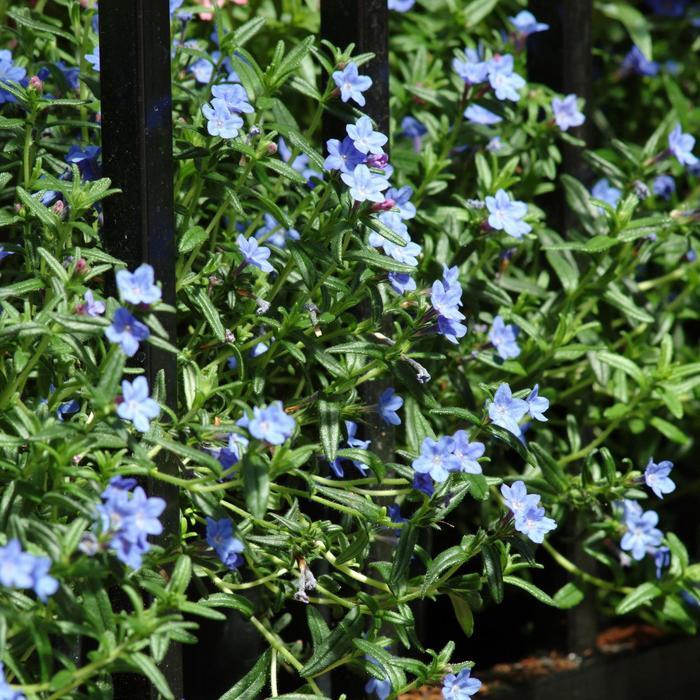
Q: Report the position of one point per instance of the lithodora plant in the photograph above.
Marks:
(369, 348)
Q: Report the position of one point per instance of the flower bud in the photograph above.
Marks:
(386, 205)
(271, 148)
(378, 161)
(36, 84)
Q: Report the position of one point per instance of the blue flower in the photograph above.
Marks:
(534, 524)
(504, 338)
(505, 411)
(402, 201)
(437, 458)
(400, 6)
(518, 500)
(4, 253)
(606, 192)
(127, 518)
(401, 282)
(446, 300)
(227, 547)
(136, 405)
(480, 115)
(637, 63)
(254, 254)
(406, 254)
(9, 73)
(231, 454)
(126, 331)
(20, 569)
(87, 160)
(668, 8)
(423, 483)
(415, 130)
(461, 686)
(656, 477)
(342, 155)
(566, 113)
(352, 84)
(526, 24)
(394, 512)
(537, 405)
(91, 307)
(273, 232)
(94, 58)
(664, 186)
(507, 215)
(662, 559)
(382, 688)
(365, 138)
(505, 82)
(365, 186)
(467, 453)
(270, 423)
(470, 68)
(220, 120)
(6, 690)
(642, 534)
(138, 287)
(389, 403)
(202, 70)
(681, 145)
(234, 96)
(67, 408)
(259, 349)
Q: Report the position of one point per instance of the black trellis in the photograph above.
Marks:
(135, 77)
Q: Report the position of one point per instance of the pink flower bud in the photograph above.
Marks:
(58, 208)
(378, 161)
(386, 205)
(271, 148)
(35, 83)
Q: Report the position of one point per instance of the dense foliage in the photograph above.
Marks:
(369, 347)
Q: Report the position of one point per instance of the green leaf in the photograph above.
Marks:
(477, 10)
(390, 669)
(317, 626)
(533, 590)
(229, 600)
(669, 430)
(55, 266)
(634, 22)
(147, 666)
(182, 573)
(46, 216)
(640, 595)
(568, 596)
(191, 239)
(202, 301)
(624, 364)
(252, 684)
(329, 428)
(256, 483)
(403, 553)
(463, 613)
(335, 645)
(491, 555)
(23, 18)
(248, 30)
(448, 558)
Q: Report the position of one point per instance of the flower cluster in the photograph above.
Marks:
(229, 101)
(20, 569)
(641, 536)
(269, 423)
(439, 458)
(506, 411)
(529, 516)
(446, 300)
(126, 517)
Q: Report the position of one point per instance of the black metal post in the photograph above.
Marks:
(135, 86)
(562, 59)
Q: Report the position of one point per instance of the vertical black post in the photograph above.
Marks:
(364, 23)
(135, 86)
(562, 59)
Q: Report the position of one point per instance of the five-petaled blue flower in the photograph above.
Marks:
(269, 423)
(437, 458)
(566, 112)
(656, 477)
(352, 84)
(234, 96)
(505, 411)
(526, 24)
(365, 186)
(136, 405)
(9, 73)
(228, 548)
(342, 155)
(528, 515)
(254, 254)
(504, 338)
(507, 215)
(681, 145)
(537, 405)
(505, 82)
(460, 686)
(90, 307)
(470, 68)
(467, 453)
(220, 120)
(606, 192)
(20, 569)
(480, 115)
(365, 138)
(388, 405)
(401, 282)
(138, 287)
(664, 186)
(642, 535)
(126, 331)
